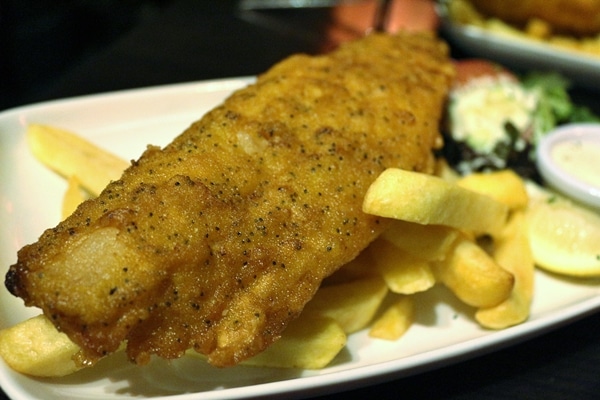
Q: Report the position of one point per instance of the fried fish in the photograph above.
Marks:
(575, 17)
(216, 242)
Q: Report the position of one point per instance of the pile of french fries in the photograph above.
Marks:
(466, 233)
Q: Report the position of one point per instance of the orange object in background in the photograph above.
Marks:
(412, 15)
(354, 19)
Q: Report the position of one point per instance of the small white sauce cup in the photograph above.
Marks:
(571, 179)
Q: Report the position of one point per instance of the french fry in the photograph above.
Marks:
(513, 253)
(69, 154)
(503, 186)
(362, 267)
(309, 342)
(445, 171)
(403, 272)
(426, 199)
(34, 347)
(351, 304)
(73, 196)
(395, 320)
(463, 12)
(427, 242)
(474, 276)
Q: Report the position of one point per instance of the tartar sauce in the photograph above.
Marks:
(580, 159)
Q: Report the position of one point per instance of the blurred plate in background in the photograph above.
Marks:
(521, 53)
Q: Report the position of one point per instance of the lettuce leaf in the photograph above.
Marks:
(555, 106)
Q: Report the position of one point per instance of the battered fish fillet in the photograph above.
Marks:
(217, 241)
(579, 17)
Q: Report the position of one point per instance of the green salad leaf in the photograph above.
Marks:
(555, 106)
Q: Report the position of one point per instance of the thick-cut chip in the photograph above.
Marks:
(362, 267)
(351, 304)
(395, 320)
(473, 275)
(427, 242)
(34, 347)
(445, 171)
(68, 154)
(309, 342)
(425, 199)
(513, 253)
(503, 186)
(73, 196)
(403, 272)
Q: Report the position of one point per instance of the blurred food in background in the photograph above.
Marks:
(571, 17)
(569, 25)
(352, 19)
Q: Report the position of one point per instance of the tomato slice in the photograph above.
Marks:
(469, 69)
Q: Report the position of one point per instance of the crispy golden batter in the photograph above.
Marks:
(217, 241)
(580, 17)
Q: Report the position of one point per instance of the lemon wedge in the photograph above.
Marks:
(564, 237)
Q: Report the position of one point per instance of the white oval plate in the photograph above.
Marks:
(521, 53)
(125, 122)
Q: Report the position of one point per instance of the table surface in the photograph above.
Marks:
(196, 40)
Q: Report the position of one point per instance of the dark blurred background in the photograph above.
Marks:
(62, 48)
(41, 39)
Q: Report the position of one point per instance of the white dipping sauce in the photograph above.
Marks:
(579, 158)
(569, 160)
